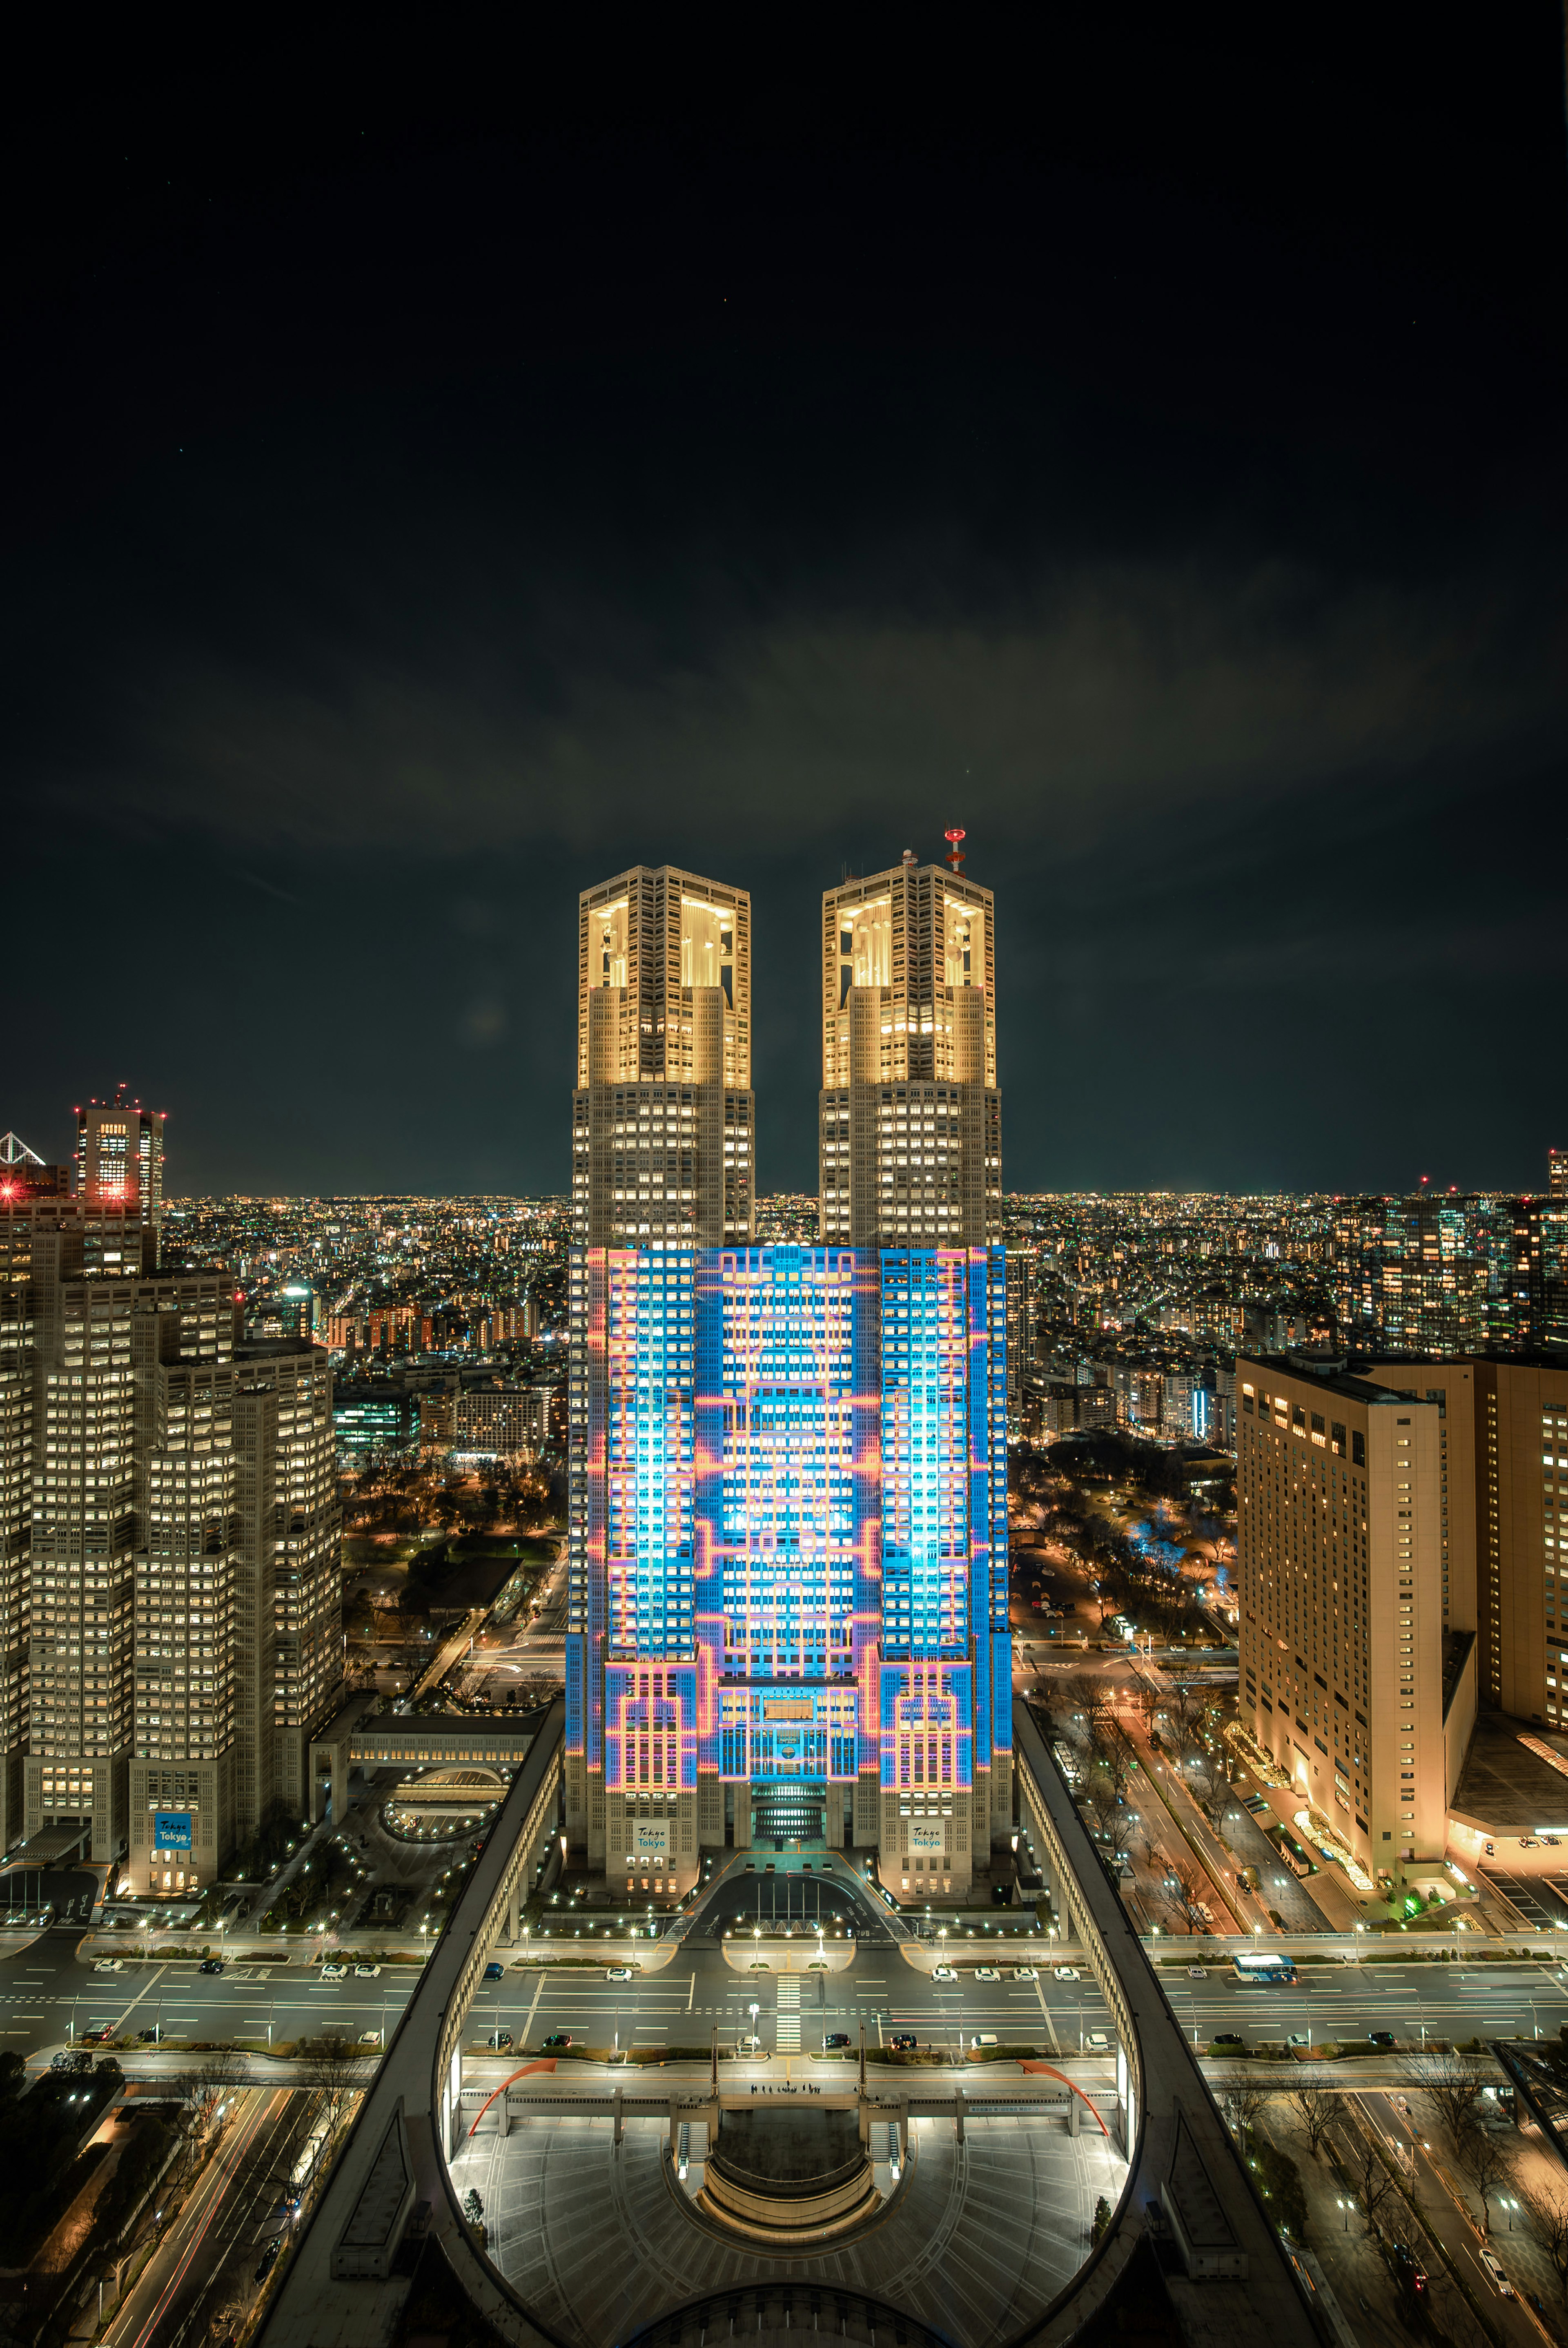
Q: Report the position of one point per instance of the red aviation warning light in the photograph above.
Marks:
(955, 853)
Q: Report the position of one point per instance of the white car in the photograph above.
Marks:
(987, 1973)
(1022, 1972)
(366, 1972)
(749, 2046)
(335, 1973)
(1097, 2042)
(108, 1964)
(1493, 2266)
(619, 1972)
(1197, 1973)
(370, 2037)
(944, 1973)
(1067, 1972)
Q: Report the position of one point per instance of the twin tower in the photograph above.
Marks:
(787, 1553)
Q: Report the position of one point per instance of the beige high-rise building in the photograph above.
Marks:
(664, 1117)
(1349, 1677)
(170, 1617)
(910, 1124)
(120, 1155)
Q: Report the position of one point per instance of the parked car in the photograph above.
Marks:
(494, 1971)
(835, 2038)
(1227, 2038)
(1097, 2042)
(370, 2037)
(1066, 1972)
(211, 1966)
(1022, 1972)
(1493, 2266)
(99, 2037)
(366, 1972)
(333, 1971)
(984, 2038)
(944, 1973)
(1197, 1973)
(905, 2043)
(617, 1972)
(1296, 2038)
(1382, 2038)
(556, 2041)
(147, 2037)
(500, 2039)
(108, 1964)
(987, 1973)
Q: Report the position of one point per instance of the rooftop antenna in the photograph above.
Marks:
(955, 853)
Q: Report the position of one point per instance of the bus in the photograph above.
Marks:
(1262, 1966)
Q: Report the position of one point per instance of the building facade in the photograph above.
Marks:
(663, 1119)
(120, 1155)
(1339, 1490)
(172, 1630)
(910, 1138)
(788, 1512)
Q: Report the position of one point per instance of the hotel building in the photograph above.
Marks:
(1348, 1678)
(788, 1511)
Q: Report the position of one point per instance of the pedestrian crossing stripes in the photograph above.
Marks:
(788, 2039)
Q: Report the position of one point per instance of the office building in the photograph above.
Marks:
(1557, 1173)
(663, 1122)
(172, 1630)
(120, 1155)
(909, 1144)
(1350, 1678)
(1409, 1276)
(787, 1513)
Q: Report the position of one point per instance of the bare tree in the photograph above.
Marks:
(1453, 2085)
(1180, 1890)
(1486, 2163)
(1374, 2180)
(1242, 2096)
(336, 2069)
(1315, 2107)
(1101, 1802)
(1548, 2212)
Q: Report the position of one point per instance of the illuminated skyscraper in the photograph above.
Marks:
(662, 1117)
(120, 1155)
(910, 1132)
(787, 1560)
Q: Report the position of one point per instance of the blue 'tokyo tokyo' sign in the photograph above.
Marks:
(171, 1829)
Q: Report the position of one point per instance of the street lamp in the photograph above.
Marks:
(1346, 2207)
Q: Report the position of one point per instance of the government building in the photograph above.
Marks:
(787, 1556)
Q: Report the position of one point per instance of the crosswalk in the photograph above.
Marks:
(789, 2014)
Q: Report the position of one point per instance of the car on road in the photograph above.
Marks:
(1097, 2042)
(108, 1964)
(1493, 2266)
(835, 2038)
(1296, 2038)
(1227, 2038)
(500, 2039)
(1066, 1972)
(211, 1966)
(1528, 1842)
(905, 2044)
(1382, 2038)
(99, 2037)
(987, 1973)
(494, 1972)
(1197, 1973)
(370, 2037)
(984, 2038)
(147, 2037)
(1022, 1972)
(366, 1972)
(944, 1973)
(331, 1972)
(556, 2040)
(269, 2254)
(617, 1972)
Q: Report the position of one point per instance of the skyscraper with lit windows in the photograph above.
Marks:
(787, 1555)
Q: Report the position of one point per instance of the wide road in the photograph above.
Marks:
(49, 1993)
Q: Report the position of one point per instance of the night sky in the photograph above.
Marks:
(427, 497)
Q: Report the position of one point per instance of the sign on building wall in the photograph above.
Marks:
(171, 1829)
(926, 1835)
(650, 1838)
